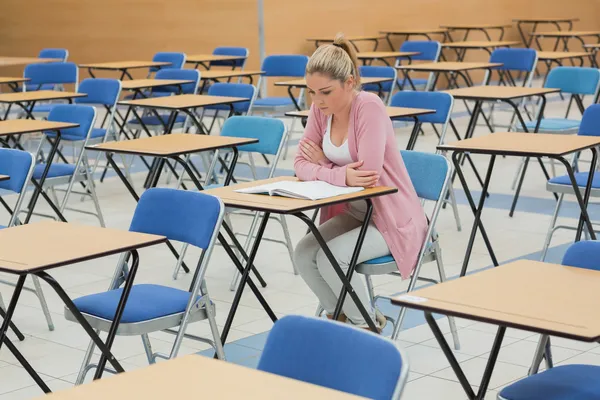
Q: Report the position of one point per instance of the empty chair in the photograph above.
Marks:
(176, 60)
(430, 176)
(50, 76)
(59, 54)
(244, 90)
(384, 89)
(337, 356)
(193, 218)
(230, 51)
(429, 51)
(575, 381)
(290, 66)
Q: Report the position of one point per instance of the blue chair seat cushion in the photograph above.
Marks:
(373, 87)
(145, 302)
(152, 120)
(573, 382)
(274, 102)
(552, 124)
(380, 260)
(32, 87)
(56, 170)
(416, 81)
(580, 177)
(43, 108)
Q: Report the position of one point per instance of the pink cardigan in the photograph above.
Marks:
(399, 216)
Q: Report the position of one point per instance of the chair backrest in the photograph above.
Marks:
(516, 59)
(84, 115)
(269, 131)
(234, 90)
(17, 164)
(51, 73)
(370, 71)
(574, 80)
(176, 59)
(99, 91)
(590, 121)
(336, 356)
(181, 215)
(429, 173)
(429, 49)
(583, 254)
(178, 73)
(230, 51)
(61, 54)
(441, 102)
(289, 65)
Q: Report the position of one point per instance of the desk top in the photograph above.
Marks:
(521, 294)
(173, 144)
(9, 79)
(200, 58)
(120, 65)
(374, 55)
(566, 33)
(561, 55)
(182, 101)
(50, 244)
(11, 61)
(449, 66)
(301, 83)
(408, 31)
(20, 126)
(392, 112)
(38, 95)
(135, 84)
(480, 44)
(591, 46)
(475, 26)
(349, 38)
(524, 144)
(219, 74)
(498, 92)
(545, 19)
(285, 205)
(180, 378)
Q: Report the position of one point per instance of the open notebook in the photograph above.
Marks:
(311, 190)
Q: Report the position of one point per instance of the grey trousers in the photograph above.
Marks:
(340, 233)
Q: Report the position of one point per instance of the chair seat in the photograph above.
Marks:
(43, 108)
(56, 170)
(380, 260)
(573, 382)
(145, 302)
(96, 133)
(415, 81)
(580, 177)
(553, 125)
(274, 102)
(31, 87)
(373, 87)
(152, 120)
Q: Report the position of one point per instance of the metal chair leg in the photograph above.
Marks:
(43, 303)
(288, 241)
(85, 365)
(455, 208)
(148, 348)
(442, 273)
(551, 227)
(92, 189)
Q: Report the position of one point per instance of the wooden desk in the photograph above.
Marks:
(9, 128)
(521, 22)
(180, 378)
(13, 61)
(287, 206)
(468, 28)
(139, 84)
(36, 248)
(27, 100)
(123, 66)
(565, 36)
(13, 82)
(593, 48)
(454, 68)
(207, 59)
(521, 295)
(352, 39)
(215, 75)
(408, 32)
(383, 55)
(526, 145)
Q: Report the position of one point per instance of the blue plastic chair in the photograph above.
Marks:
(244, 90)
(430, 175)
(590, 126)
(72, 172)
(281, 66)
(230, 51)
(573, 382)
(429, 50)
(335, 356)
(50, 76)
(60, 54)
(385, 88)
(150, 119)
(442, 103)
(176, 59)
(19, 166)
(190, 217)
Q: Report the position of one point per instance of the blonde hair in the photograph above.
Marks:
(337, 60)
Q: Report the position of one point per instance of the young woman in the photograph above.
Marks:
(349, 141)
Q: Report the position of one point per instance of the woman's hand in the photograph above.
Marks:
(355, 177)
(311, 151)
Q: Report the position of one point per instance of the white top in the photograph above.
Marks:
(339, 155)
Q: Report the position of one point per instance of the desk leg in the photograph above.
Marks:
(414, 134)
(489, 368)
(346, 279)
(291, 94)
(476, 211)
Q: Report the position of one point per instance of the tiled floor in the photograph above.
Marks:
(58, 354)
